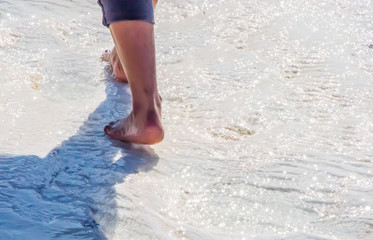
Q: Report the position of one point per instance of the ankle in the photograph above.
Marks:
(152, 119)
(149, 112)
(147, 103)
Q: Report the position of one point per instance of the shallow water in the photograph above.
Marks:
(267, 106)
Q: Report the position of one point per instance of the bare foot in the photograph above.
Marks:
(142, 128)
(115, 64)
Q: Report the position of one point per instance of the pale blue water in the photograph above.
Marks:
(267, 107)
(58, 196)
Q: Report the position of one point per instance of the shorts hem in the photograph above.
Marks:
(126, 20)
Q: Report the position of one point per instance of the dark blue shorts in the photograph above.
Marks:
(126, 10)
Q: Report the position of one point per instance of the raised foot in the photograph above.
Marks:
(146, 130)
(115, 65)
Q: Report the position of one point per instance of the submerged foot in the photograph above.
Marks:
(146, 129)
(115, 65)
(143, 127)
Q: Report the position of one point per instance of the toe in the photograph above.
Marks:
(110, 128)
(107, 129)
(113, 133)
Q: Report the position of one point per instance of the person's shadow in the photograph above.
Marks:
(63, 195)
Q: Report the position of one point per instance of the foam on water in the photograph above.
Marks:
(267, 106)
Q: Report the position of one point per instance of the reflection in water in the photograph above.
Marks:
(61, 195)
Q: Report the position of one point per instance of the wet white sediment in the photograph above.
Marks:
(267, 106)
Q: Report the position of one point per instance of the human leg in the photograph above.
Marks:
(134, 43)
(112, 58)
